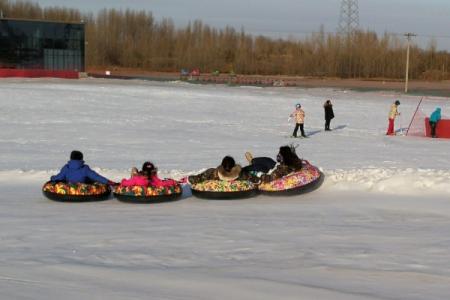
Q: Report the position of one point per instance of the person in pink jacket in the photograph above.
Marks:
(151, 171)
(137, 179)
(299, 117)
(147, 177)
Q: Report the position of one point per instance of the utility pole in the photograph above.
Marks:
(408, 37)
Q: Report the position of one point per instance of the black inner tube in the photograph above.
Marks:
(77, 198)
(225, 195)
(147, 199)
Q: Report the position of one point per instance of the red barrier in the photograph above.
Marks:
(442, 128)
(35, 73)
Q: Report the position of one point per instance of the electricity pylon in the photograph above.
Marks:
(349, 17)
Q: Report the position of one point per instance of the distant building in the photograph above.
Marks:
(35, 48)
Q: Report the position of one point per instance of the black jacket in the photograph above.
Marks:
(329, 114)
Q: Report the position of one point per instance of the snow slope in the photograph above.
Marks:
(377, 229)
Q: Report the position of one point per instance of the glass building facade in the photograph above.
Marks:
(29, 44)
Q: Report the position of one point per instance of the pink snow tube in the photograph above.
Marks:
(306, 180)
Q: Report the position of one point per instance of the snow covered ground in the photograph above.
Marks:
(377, 229)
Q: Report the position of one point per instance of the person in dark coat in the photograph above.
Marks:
(228, 171)
(75, 171)
(288, 161)
(258, 164)
(329, 114)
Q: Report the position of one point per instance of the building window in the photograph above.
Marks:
(30, 44)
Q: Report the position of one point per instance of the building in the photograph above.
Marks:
(36, 48)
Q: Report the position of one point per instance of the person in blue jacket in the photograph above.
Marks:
(434, 119)
(75, 171)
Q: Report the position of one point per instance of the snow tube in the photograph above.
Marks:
(140, 194)
(76, 192)
(306, 180)
(224, 190)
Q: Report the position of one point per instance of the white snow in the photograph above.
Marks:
(377, 229)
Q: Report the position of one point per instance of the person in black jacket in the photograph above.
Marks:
(289, 162)
(329, 114)
(258, 164)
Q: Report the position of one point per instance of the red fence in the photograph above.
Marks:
(442, 128)
(34, 73)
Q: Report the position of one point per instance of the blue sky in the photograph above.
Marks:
(283, 18)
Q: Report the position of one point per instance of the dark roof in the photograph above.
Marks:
(41, 20)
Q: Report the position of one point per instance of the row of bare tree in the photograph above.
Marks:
(134, 39)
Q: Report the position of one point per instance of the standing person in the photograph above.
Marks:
(329, 114)
(434, 119)
(299, 117)
(393, 113)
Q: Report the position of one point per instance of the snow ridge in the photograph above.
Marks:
(390, 181)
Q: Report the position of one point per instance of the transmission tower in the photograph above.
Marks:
(349, 17)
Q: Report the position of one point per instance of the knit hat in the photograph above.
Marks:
(298, 105)
(76, 155)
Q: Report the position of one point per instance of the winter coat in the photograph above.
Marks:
(155, 181)
(209, 174)
(299, 116)
(282, 170)
(393, 112)
(75, 171)
(137, 180)
(436, 116)
(218, 174)
(329, 114)
(260, 164)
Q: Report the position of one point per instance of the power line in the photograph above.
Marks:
(421, 35)
(311, 33)
(434, 36)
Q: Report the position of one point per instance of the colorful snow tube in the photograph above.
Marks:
(221, 189)
(306, 180)
(140, 194)
(76, 192)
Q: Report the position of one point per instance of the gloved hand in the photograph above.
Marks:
(183, 180)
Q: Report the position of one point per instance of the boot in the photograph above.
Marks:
(248, 157)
